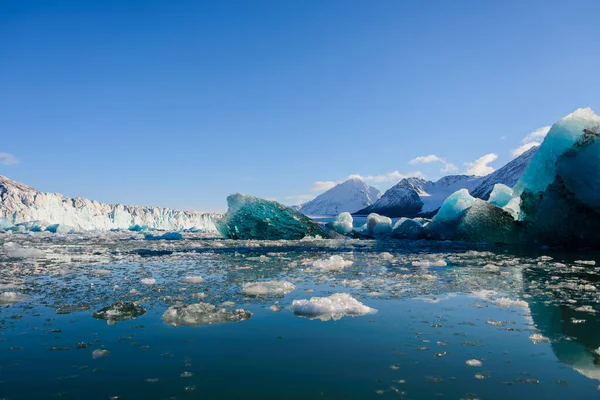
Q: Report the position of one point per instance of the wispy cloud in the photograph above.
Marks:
(480, 166)
(535, 138)
(299, 199)
(448, 167)
(320, 186)
(8, 159)
(393, 176)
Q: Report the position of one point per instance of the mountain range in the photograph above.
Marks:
(412, 197)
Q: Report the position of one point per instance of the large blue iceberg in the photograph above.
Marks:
(556, 202)
(249, 217)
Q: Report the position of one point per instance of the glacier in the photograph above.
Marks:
(23, 205)
(250, 217)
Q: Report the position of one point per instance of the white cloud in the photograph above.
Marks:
(393, 176)
(322, 185)
(426, 159)
(523, 148)
(8, 159)
(299, 199)
(448, 167)
(480, 166)
(535, 138)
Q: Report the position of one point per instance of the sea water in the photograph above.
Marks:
(440, 319)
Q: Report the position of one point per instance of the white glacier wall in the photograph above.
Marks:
(21, 203)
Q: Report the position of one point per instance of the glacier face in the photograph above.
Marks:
(415, 196)
(349, 196)
(20, 203)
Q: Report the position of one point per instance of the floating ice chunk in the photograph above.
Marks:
(25, 252)
(585, 262)
(537, 338)
(474, 363)
(268, 289)
(148, 281)
(491, 268)
(342, 223)
(378, 224)
(60, 228)
(333, 307)
(501, 195)
(407, 228)
(506, 302)
(430, 263)
(202, 314)
(120, 311)
(5, 224)
(454, 206)
(249, 217)
(165, 236)
(193, 279)
(10, 297)
(276, 307)
(99, 271)
(333, 263)
(99, 353)
(353, 283)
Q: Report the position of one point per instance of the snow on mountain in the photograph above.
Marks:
(507, 175)
(415, 196)
(21, 203)
(351, 195)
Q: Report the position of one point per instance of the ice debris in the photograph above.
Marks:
(193, 279)
(333, 307)
(25, 252)
(10, 297)
(249, 217)
(120, 311)
(165, 236)
(202, 314)
(268, 288)
(333, 263)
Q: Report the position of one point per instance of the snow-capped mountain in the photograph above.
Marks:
(415, 196)
(351, 195)
(508, 175)
(21, 203)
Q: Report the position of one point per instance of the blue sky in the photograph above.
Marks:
(180, 103)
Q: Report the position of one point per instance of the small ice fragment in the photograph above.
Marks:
(269, 288)
(202, 314)
(333, 307)
(333, 263)
(506, 302)
(148, 281)
(276, 307)
(585, 262)
(474, 363)
(537, 338)
(429, 263)
(193, 279)
(10, 297)
(22, 252)
(99, 353)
